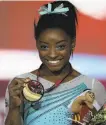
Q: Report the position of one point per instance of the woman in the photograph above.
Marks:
(55, 34)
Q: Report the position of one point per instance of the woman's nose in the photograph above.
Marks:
(52, 53)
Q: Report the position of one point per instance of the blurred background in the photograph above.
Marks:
(18, 53)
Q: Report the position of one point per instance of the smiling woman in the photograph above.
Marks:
(51, 94)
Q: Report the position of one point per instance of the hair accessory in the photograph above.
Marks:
(58, 10)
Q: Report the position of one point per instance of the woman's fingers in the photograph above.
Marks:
(15, 93)
(27, 79)
(15, 82)
(19, 81)
(17, 85)
(90, 105)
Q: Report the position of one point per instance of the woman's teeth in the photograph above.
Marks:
(54, 62)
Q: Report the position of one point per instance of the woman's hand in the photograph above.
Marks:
(77, 104)
(15, 92)
(87, 99)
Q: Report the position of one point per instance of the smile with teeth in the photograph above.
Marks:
(53, 62)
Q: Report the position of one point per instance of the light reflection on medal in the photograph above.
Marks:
(33, 91)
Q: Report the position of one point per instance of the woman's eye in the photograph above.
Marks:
(44, 47)
(61, 47)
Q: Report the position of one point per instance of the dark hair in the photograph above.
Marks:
(65, 22)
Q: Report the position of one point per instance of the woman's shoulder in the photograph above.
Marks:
(93, 82)
(31, 74)
(90, 82)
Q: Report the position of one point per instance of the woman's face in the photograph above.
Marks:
(54, 47)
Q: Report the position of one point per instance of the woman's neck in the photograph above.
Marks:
(44, 71)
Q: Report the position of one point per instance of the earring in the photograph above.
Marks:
(73, 46)
(72, 49)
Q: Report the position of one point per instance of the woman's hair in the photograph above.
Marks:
(67, 22)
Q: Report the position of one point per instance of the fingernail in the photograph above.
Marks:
(27, 80)
(24, 85)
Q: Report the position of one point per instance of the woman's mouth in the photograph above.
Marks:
(55, 62)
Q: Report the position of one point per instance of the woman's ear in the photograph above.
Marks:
(73, 43)
(73, 46)
(37, 44)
